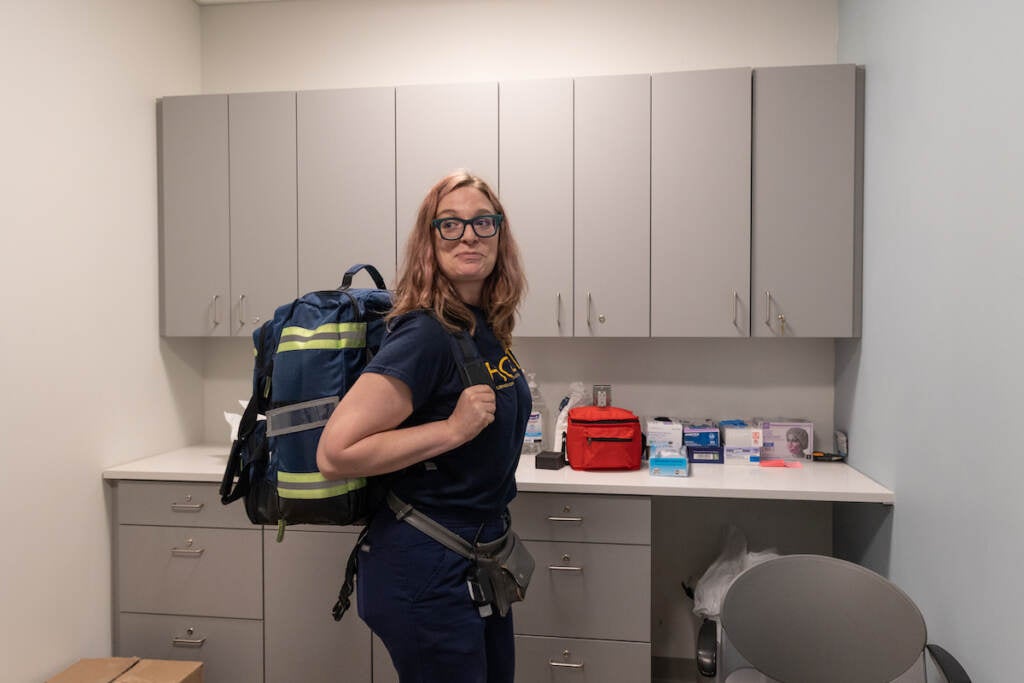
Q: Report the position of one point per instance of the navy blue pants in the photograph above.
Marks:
(412, 593)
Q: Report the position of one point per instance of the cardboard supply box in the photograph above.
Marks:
(130, 670)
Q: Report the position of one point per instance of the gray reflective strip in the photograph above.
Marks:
(356, 334)
(300, 416)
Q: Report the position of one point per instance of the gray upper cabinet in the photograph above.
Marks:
(536, 133)
(612, 201)
(807, 180)
(438, 129)
(263, 205)
(700, 203)
(194, 229)
(346, 184)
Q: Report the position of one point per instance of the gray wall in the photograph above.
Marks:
(931, 394)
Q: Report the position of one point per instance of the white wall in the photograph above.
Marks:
(931, 394)
(310, 44)
(86, 380)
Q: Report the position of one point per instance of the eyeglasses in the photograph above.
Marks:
(453, 228)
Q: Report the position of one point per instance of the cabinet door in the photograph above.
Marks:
(700, 204)
(263, 252)
(194, 245)
(346, 184)
(303, 642)
(438, 129)
(612, 206)
(536, 190)
(806, 201)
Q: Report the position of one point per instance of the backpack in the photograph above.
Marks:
(307, 356)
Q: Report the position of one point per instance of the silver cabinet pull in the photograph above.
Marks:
(216, 309)
(187, 551)
(241, 309)
(589, 321)
(564, 568)
(565, 519)
(768, 309)
(558, 309)
(565, 665)
(186, 507)
(188, 642)
(735, 309)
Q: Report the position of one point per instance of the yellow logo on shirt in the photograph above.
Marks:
(506, 371)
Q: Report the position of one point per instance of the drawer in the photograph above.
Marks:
(582, 517)
(179, 570)
(177, 504)
(554, 660)
(588, 590)
(231, 650)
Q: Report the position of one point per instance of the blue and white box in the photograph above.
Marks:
(702, 454)
(664, 433)
(675, 466)
(701, 433)
(741, 455)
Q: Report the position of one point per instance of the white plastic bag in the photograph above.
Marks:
(730, 563)
(577, 397)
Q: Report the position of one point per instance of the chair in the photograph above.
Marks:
(817, 619)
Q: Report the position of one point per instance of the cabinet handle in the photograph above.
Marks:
(558, 309)
(735, 309)
(187, 552)
(565, 665)
(241, 309)
(768, 309)
(589, 322)
(186, 507)
(187, 642)
(565, 519)
(216, 309)
(564, 568)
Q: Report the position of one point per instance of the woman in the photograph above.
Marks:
(796, 442)
(452, 452)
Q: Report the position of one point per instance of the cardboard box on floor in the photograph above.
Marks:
(130, 670)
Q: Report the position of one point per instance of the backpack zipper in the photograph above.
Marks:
(591, 439)
(623, 421)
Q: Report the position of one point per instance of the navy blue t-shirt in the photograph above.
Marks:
(475, 481)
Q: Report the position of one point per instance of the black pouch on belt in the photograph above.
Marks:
(509, 570)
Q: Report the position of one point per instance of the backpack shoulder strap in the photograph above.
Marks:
(472, 367)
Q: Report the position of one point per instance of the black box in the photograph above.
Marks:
(549, 460)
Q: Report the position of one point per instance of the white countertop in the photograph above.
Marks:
(825, 481)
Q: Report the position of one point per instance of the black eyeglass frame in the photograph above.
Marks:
(497, 217)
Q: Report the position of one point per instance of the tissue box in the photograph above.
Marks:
(741, 455)
(664, 432)
(701, 433)
(712, 454)
(670, 467)
(787, 439)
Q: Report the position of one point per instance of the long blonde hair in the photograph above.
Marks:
(422, 285)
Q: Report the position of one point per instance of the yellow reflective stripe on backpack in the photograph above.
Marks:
(329, 336)
(313, 485)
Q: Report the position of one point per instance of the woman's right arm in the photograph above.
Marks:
(362, 437)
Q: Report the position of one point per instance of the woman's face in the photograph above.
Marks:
(794, 445)
(467, 261)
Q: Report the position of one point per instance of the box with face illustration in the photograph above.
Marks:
(787, 439)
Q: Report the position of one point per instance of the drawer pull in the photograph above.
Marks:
(187, 551)
(188, 642)
(565, 665)
(186, 507)
(565, 519)
(564, 568)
